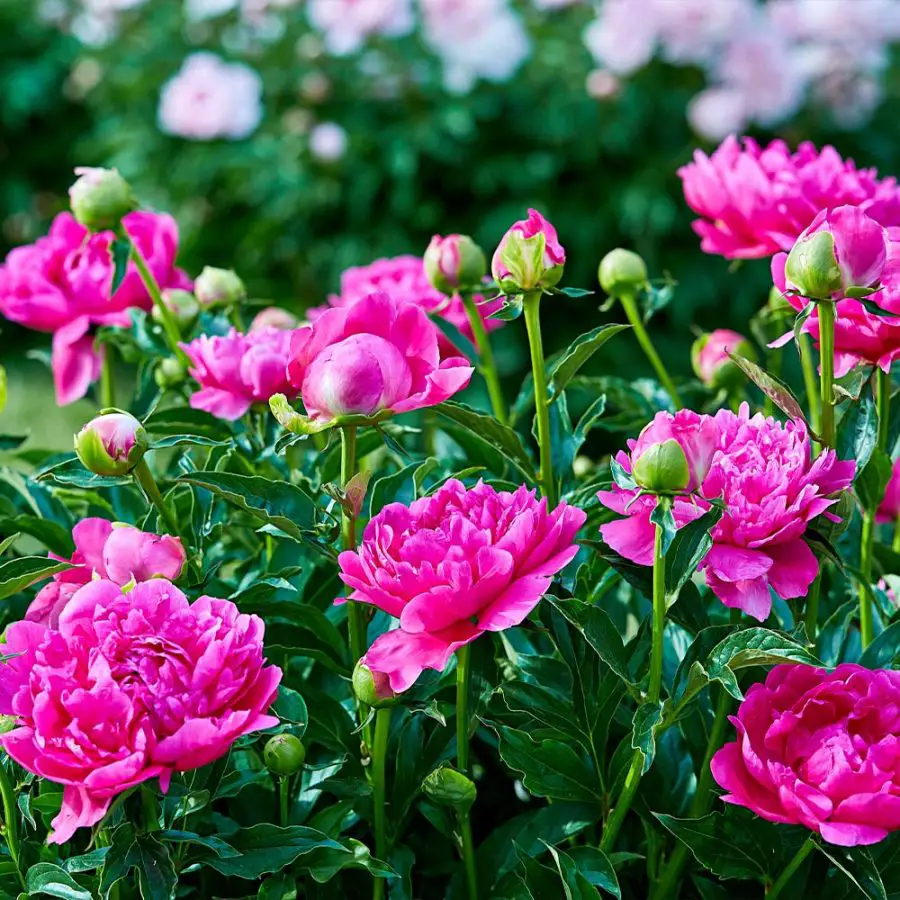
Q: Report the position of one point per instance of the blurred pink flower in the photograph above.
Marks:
(130, 687)
(771, 487)
(623, 36)
(378, 355)
(236, 370)
(889, 508)
(328, 142)
(452, 566)
(209, 98)
(61, 284)
(115, 552)
(817, 749)
(347, 24)
(755, 201)
(274, 317)
(711, 353)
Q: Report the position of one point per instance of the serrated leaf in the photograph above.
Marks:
(577, 354)
(18, 574)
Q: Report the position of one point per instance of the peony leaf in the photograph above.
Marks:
(583, 870)
(501, 436)
(182, 420)
(857, 865)
(647, 718)
(18, 574)
(120, 252)
(52, 881)
(577, 354)
(774, 388)
(871, 482)
(691, 543)
(52, 535)
(858, 433)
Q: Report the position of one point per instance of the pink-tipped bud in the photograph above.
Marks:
(371, 687)
(274, 317)
(529, 256)
(454, 262)
(111, 444)
(100, 198)
(219, 287)
(711, 362)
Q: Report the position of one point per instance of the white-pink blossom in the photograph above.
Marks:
(346, 24)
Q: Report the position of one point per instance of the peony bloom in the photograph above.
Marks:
(347, 24)
(377, 356)
(763, 471)
(454, 565)
(130, 687)
(61, 284)
(818, 749)
(116, 552)
(404, 278)
(754, 201)
(529, 256)
(889, 509)
(236, 370)
(710, 359)
(209, 98)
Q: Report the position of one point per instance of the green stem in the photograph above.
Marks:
(791, 868)
(463, 720)
(629, 304)
(11, 820)
(532, 305)
(145, 479)
(468, 854)
(810, 382)
(170, 326)
(883, 405)
(107, 383)
(826, 365)
(283, 783)
(895, 546)
(488, 366)
(654, 689)
(379, 792)
(812, 606)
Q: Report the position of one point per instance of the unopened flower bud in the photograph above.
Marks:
(181, 304)
(274, 317)
(662, 468)
(454, 262)
(371, 687)
(100, 198)
(284, 754)
(111, 444)
(169, 372)
(622, 272)
(219, 287)
(450, 788)
(529, 256)
(711, 362)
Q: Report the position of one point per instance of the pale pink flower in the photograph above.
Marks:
(889, 508)
(452, 566)
(347, 24)
(140, 685)
(716, 112)
(236, 370)
(274, 317)
(772, 488)
(623, 36)
(818, 749)
(328, 142)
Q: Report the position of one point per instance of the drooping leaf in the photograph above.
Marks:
(598, 629)
(52, 535)
(52, 881)
(774, 388)
(690, 544)
(871, 481)
(583, 871)
(18, 574)
(647, 719)
(857, 432)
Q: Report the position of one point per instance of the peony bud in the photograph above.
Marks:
(841, 254)
(284, 754)
(622, 272)
(111, 444)
(529, 256)
(711, 362)
(274, 317)
(454, 262)
(100, 198)
(662, 469)
(371, 687)
(169, 373)
(219, 287)
(450, 788)
(182, 304)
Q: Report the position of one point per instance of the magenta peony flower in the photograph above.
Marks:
(61, 284)
(130, 687)
(116, 552)
(404, 278)
(454, 565)
(771, 487)
(755, 201)
(238, 370)
(528, 256)
(818, 749)
(889, 509)
(378, 355)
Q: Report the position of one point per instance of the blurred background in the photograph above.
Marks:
(294, 138)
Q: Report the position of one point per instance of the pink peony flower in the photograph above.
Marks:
(238, 370)
(889, 509)
(710, 357)
(61, 284)
(755, 201)
(528, 256)
(130, 687)
(347, 24)
(404, 278)
(818, 749)
(379, 355)
(698, 437)
(115, 552)
(771, 487)
(452, 566)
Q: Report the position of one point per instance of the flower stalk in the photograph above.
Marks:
(826, 363)
(463, 724)
(170, 326)
(379, 791)
(531, 305)
(790, 869)
(11, 821)
(488, 365)
(145, 479)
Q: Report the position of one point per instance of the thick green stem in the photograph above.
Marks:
(170, 326)
(488, 366)
(654, 690)
(283, 784)
(790, 869)
(895, 546)
(532, 306)
(629, 304)
(11, 820)
(810, 382)
(379, 792)
(812, 606)
(468, 855)
(145, 479)
(826, 366)
(107, 383)
(463, 720)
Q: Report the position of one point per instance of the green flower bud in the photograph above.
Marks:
(219, 287)
(371, 687)
(662, 469)
(100, 198)
(284, 754)
(622, 272)
(529, 256)
(450, 788)
(111, 444)
(169, 372)
(454, 262)
(812, 267)
(182, 305)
